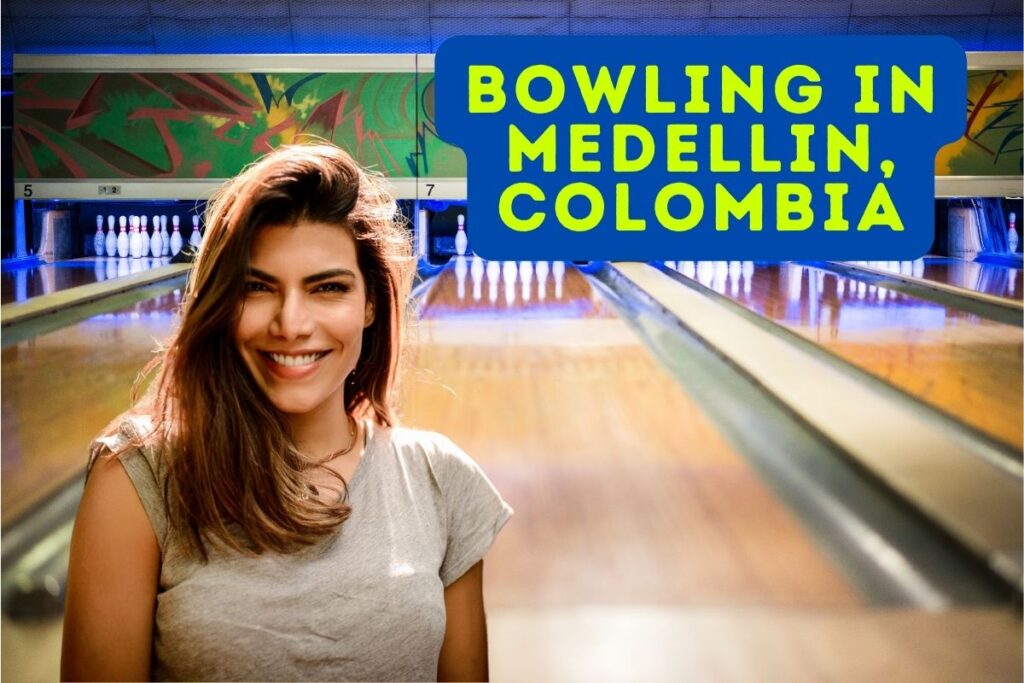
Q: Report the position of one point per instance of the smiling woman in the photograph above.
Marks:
(259, 514)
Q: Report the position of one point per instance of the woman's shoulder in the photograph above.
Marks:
(448, 464)
(423, 445)
(131, 437)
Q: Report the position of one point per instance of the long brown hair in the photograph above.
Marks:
(232, 465)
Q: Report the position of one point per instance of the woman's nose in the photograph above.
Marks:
(293, 319)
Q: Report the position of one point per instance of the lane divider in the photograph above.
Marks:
(75, 296)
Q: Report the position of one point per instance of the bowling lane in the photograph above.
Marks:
(62, 387)
(19, 284)
(962, 364)
(984, 278)
(625, 491)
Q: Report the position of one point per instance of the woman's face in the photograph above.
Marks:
(305, 307)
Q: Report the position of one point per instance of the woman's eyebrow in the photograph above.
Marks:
(309, 279)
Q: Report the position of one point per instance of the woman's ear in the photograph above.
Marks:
(368, 318)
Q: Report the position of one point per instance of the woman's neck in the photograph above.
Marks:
(321, 431)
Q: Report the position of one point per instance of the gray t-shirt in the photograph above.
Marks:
(365, 604)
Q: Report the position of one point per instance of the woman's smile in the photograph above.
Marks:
(294, 365)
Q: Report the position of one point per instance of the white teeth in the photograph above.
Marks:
(295, 361)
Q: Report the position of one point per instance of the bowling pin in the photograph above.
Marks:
(558, 270)
(176, 240)
(196, 238)
(165, 236)
(135, 239)
(734, 278)
(509, 273)
(99, 240)
(461, 239)
(156, 243)
(122, 238)
(721, 272)
(145, 236)
(705, 272)
(687, 268)
(111, 244)
(1011, 233)
(542, 280)
(526, 276)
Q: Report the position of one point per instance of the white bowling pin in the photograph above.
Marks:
(135, 239)
(196, 238)
(558, 270)
(526, 276)
(145, 235)
(111, 245)
(542, 279)
(165, 236)
(99, 240)
(461, 239)
(705, 272)
(122, 238)
(1011, 233)
(734, 277)
(509, 272)
(176, 240)
(156, 243)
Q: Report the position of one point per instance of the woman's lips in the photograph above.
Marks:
(283, 371)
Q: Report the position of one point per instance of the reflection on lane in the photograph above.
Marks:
(986, 278)
(624, 488)
(473, 286)
(61, 388)
(18, 284)
(963, 364)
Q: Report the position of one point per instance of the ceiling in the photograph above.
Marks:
(320, 26)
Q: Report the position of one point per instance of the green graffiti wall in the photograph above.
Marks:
(991, 144)
(210, 125)
(156, 125)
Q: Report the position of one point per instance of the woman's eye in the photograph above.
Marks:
(332, 288)
(256, 286)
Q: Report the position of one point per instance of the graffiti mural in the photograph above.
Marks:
(991, 144)
(210, 125)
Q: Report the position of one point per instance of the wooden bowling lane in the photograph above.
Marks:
(960, 363)
(19, 284)
(60, 388)
(984, 278)
(625, 491)
(643, 547)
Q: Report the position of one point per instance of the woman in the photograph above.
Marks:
(259, 515)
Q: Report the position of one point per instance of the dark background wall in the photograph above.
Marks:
(284, 26)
